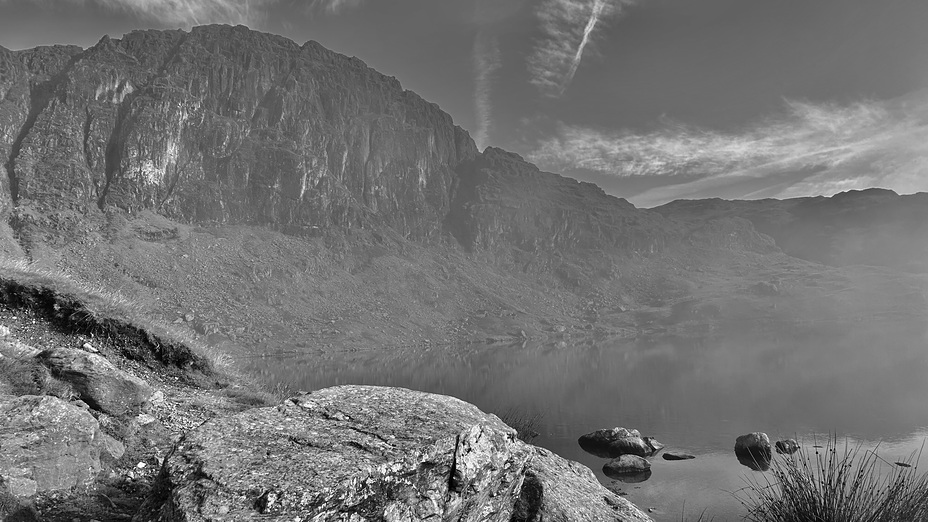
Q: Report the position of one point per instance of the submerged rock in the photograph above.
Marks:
(370, 453)
(628, 468)
(97, 381)
(618, 441)
(787, 446)
(753, 450)
(49, 445)
(675, 455)
(626, 464)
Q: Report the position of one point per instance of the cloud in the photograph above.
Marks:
(568, 27)
(809, 149)
(487, 61)
(186, 13)
(335, 6)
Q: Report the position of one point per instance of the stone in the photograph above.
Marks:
(626, 464)
(97, 381)
(365, 453)
(653, 444)
(48, 445)
(787, 446)
(612, 443)
(753, 450)
(675, 455)
(14, 349)
(157, 398)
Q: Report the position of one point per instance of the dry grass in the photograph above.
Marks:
(832, 485)
(95, 311)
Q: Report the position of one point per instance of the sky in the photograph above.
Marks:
(653, 100)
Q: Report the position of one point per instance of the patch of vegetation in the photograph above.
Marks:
(83, 309)
(826, 484)
(525, 423)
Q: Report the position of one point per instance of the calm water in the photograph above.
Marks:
(694, 395)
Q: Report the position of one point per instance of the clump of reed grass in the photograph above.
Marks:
(828, 484)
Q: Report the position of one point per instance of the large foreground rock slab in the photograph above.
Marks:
(47, 444)
(355, 453)
(97, 381)
(567, 491)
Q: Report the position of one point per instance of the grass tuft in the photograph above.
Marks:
(526, 424)
(832, 485)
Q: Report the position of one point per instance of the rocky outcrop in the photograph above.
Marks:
(364, 453)
(49, 445)
(224, 124)
(97, 381)
(615, 442)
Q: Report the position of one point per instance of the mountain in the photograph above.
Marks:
(858, 227)
(270, 195)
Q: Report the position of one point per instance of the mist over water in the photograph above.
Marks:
(695, 394)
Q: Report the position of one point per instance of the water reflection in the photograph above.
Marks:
(695, 395)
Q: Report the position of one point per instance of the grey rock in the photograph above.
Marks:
(363, 453)
(787, 446)
(564, 490)
(626, 464)
(754, 451)
(97, 381)
(653, 444)
(14, 349)
(48, 445)
(611, 443)
(676, 455)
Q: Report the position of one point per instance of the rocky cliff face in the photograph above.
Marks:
(501, 200)
(223, 125)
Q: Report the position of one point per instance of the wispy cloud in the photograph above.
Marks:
(186, 13)
(809, 149)
(568, 27)
(487, 61)
(335, 6)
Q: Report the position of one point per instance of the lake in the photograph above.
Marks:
(868, 384)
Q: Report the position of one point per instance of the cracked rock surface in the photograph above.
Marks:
(370, 453)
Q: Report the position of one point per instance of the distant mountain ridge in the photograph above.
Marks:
(858, 227)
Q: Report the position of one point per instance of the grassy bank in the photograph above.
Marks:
(81, 309)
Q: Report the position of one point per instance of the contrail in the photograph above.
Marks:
(598, 7)
(568, 27)
(486, 62)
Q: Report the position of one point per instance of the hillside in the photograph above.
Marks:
(868, 227)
